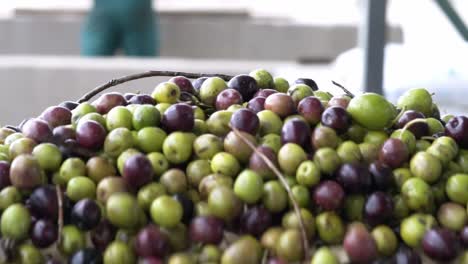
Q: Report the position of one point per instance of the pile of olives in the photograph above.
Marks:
(249, 170)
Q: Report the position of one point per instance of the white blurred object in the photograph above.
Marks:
(433, 56)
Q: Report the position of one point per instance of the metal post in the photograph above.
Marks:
(454, 17)
(372, 41)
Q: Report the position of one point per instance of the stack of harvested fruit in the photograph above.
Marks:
(243, 169)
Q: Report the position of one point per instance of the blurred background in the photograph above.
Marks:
(56, 50)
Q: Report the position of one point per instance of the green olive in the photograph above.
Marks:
(207, 145)
(159, 163)
(422, 145)
(8, 196)
(270, 237)
(117, 117)
(15, 222)
(275, 198)
(327, 160)
(117, 141)
(291, 220)
(210, 88)
(290, 156)
(121, 209)
(174, 181)
(225, 163)
(247, 186)
(457, 188)
(97, 168)
(80, 111)
(385, 239)
(299, 92)
(148, 193)
(72, 167)
(178, 237)
(417, 194)
(354, 206)
(418, 99)
(48, 155)
(80, 188)
(166, 211)
(263, 78)
(145, 116)
(356, 133)
(177, 147)
(462, 160)
(71, 240)
(281, 84)
(202, 209)
(200, 127)
(369, 151)
(435, 126)
(166, 92)
(150, 139)
(413, 228)
(270, 123)
(349, 152)
(196, 170)
(182, 258)
(426, 166)
(244, 250)
(223, 203)
(209, 253)
(375, 137)
(308, 174)
(407, 137)
(324, 255)
(401, 175)
(451, 169)
(272, 141)
(330, 227)
(29, 254)
(438, 191)
(119, 252)
(289, 246)
(218, 122)
(400, 208)
(372, 111)
(452, 216)
(301, 195)
(109, 186)
(199, 113)
(324, 137)
(212, 181)
(442, 152)
(234, 145)
(162, 107)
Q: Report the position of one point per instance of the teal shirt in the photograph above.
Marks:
(126, 24)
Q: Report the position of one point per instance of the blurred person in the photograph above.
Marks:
(129, 25)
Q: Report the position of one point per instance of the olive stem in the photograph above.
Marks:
(395, 120)
(350, 94)
(271, 166)
(60, 210)
(410, 123)
(265, 257)
(193, 100)
(428, 138)
(115, 82)
(7, 249)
